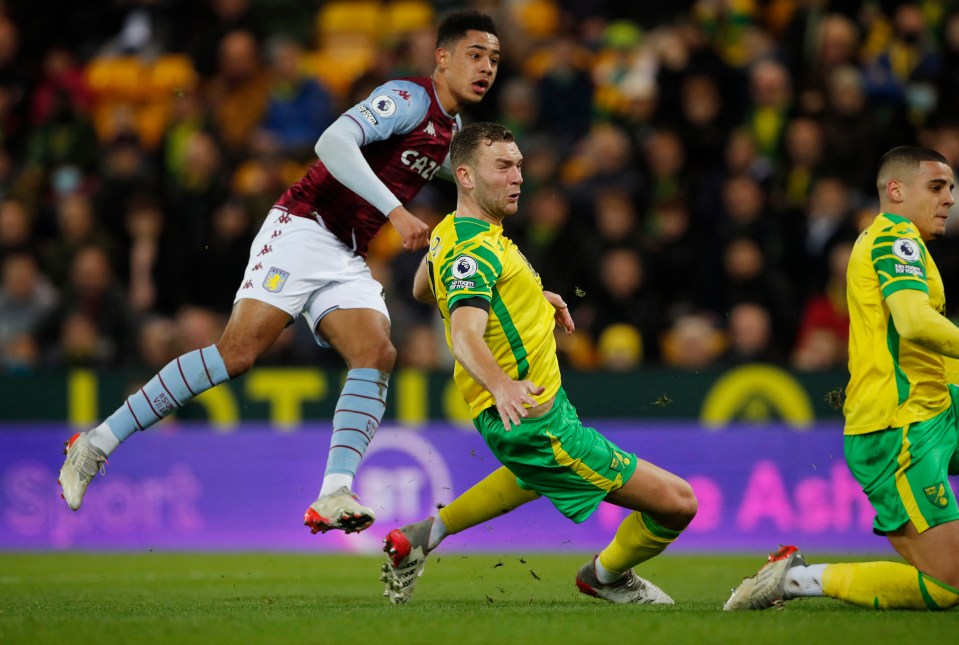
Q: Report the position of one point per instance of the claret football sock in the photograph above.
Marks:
(178, 382)
(887, 585)
(637, 539)
(497, 494)
(359, 411)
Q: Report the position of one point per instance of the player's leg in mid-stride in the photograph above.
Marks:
(663, 505)
(253, 327)
(408, 547)
(362, 338)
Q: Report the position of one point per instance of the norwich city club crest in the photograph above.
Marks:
(937, 495)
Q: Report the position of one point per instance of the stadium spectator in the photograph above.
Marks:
(298, 106)
(602, 160)
(15, 86)
(828, 222)
(556, 245)
(823, 336)
(851, 133)
(616, 220)
(804, 160)
(749, 274)
(564, 93)
(61, 155)
(771, 106)
(214, 262)
(703, 122)
(210, 22)
(624, 295)
(16, 227)
(62, 76)
(899, 80)
(692, 342)
(239, 92)
(189, 201)
(833, 43)
(620, 348)
(158, 341)
(76, 228)
(749, 332)
(92, 324)
(125, 174)
(26, 296)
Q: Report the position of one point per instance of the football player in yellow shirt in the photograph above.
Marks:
(902, 415)
(499, 327)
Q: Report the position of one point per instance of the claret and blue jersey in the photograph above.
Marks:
(406, 139)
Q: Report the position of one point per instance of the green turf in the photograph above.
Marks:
(279, 598)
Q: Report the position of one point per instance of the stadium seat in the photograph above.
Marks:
(341, 17)
(408, 15)
(538, 18)
(172, 72)
(337, 66)
(116, 78)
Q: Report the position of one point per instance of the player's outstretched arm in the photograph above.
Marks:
(467, 326)
(563, 318)
(918, 322)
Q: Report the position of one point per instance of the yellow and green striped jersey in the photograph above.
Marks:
(893, 382)
(471, 263)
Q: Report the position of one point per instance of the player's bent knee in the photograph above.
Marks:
(681, 506)
(380, 355)
(237, 361)
(686, 504)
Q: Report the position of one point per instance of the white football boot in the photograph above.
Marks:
(82, 464)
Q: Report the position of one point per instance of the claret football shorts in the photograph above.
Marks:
(298, 266)
(905, 471)
(558, 457)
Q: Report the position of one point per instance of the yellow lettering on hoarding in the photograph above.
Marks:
(222, 411)
(82, 397)
(412, 397)
(286, 389)
(454, 406)
(758, 393)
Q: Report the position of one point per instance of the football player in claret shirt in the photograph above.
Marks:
(309, 260)
(902, 410)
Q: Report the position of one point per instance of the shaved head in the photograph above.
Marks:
(917, 183)
(902, 164)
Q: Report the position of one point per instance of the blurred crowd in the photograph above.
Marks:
(695, 171)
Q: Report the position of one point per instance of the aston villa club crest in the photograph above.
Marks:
(275, 279)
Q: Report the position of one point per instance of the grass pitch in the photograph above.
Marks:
(285, 598)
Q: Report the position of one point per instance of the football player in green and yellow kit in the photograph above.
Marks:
(499, 327)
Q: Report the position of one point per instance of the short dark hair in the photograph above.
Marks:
(468, 140)
(455, 26)
(904, 158)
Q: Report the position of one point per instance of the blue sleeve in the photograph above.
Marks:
(393, 108)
